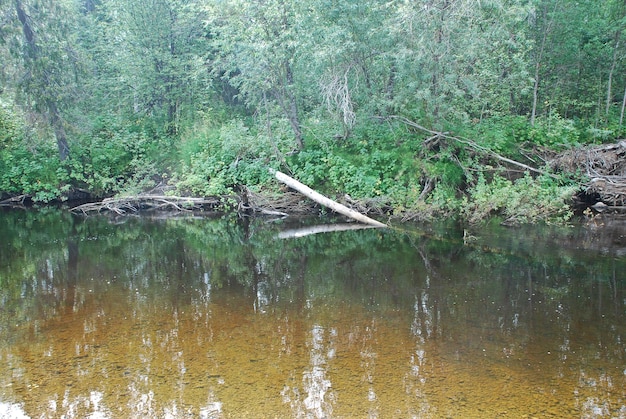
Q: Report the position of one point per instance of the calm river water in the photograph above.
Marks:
(226, 318)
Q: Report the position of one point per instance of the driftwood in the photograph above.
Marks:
(322, 200)
(324, 228)
(15, 201)
(123, 205)
(605, 166)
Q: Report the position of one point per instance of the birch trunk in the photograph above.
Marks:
(322, 200)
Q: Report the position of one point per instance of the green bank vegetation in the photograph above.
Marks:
(412, 109)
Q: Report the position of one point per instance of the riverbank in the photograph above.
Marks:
(584, 202)
(390, 175)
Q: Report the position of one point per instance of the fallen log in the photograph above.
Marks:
(15, 201)
(322, 200)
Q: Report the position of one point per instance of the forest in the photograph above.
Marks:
(407, 109)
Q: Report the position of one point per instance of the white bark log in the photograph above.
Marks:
(322, 200)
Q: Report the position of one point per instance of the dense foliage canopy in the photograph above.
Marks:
(116, 96)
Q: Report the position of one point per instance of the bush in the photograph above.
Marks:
(33, 173)
(504, 135)
(555, 132)
(525, 200)
(31, 169)
(231, 156)
(112, 158)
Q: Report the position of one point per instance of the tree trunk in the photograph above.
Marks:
(621, 116)
(290, 106)
(59, 131)
(547, 25)
(322, 200)
(535, 95)
(609, 95)
(295, 122)
(29, 35)
(54, 116)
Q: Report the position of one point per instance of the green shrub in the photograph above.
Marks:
(11, 132)
(527, 199)
(444, 200)
(31, 172)
(555, 132)
(31, 169)
(504, 134)
(231, 156)
(112, 158)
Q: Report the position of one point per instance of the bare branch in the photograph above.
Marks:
(472, 144)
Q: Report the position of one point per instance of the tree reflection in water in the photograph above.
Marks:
(315, 380)
(416, 381)
(215, 318)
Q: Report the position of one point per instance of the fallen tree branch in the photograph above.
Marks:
(15, 201)
(471, 144)
(122, 205)
(322, 200)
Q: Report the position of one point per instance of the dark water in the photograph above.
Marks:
(212, 318)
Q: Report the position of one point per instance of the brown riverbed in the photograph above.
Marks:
(212, 318)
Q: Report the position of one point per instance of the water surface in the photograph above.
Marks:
(223, 318)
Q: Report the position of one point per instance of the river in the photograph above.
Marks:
(221, 317)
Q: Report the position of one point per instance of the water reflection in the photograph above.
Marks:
(215, 318)
(315, 398)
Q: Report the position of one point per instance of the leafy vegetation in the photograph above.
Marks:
(364, 98)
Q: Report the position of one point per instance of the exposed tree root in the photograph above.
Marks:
(247, 203)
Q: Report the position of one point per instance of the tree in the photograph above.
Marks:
(460, 58)
(258, 46)
(575, 56)
(151, 58)
(351, 63)
(49, 62)
(544, 23)
(617, 23)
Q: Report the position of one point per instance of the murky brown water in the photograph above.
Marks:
(222, 319)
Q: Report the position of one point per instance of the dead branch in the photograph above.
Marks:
(428, 187)
(604, 166)
(470, 143)
(280, 204)
(123, 205)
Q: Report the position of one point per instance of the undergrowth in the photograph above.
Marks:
(388, 163)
